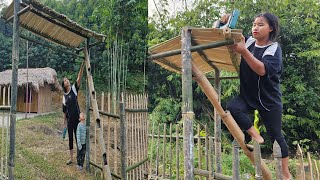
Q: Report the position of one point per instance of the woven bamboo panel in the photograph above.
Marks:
(205, 60)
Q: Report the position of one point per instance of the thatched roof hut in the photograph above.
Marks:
(37, 96)
(35, 76)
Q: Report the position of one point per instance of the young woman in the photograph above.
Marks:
(71, 109)
(260, 71)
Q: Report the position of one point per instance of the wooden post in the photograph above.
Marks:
(310, 166)
(123, 147)
(187, 103)
(199, 147)
(177, 152)
(235, 160)
(300, 168)
(164, 150)
(206, 144)
(227, 118)
(14, 89)
(211, 175)
(278, 158)
(217, 125)
(257, 160)
(87, 128)
(106, 168)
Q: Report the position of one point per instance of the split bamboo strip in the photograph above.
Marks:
(257, 160)
(210, 159)
(310, 166)
(1, 95)
(164, 150)
(139, 134)
(278, 158)
(109, 127)
(152, 145)
(133, 138)
(146, 130)
(177, 152)
(4, 96)
(300, 168)
(317, 170)
(9, 90)
(206, 144)
(227, 118)
(135, 134)
(157, 157)
(2, 143)
(170, 156)
(115, 149)
(123, 147)
(102, 109)
(217, 124)
(106, 168)
(199, 147)
(235, 160)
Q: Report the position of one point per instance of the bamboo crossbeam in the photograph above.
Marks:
(99, 167)
(192, 49)
(130, 168)
(136, 110)
(222, 78)
(6, 108)
(205, 173)
(179, 136)
(228, 120)
(107, 114)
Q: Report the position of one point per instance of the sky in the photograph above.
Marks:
(174, 5)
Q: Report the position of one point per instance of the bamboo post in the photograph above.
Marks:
(87, 128)
(14, 89)
(177, 152)
(108, 126)
(106, 168)
(115, 149)
(4, 96)
(123, 147)
(300, 168)
(235, 160)
(9, 88)
(2, 143)
(227, 118)
(157, 158)
(211, 175)
(217, 124)
(317, 170)
(170, 156)
(187, 103)
(206, 148)
(278, 158)
(257, 160)
(140, 135)
(199, 147)
(310, 166)
(133, 138)
(1, 95)
(164, 149)
(152, 144)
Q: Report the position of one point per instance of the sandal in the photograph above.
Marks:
(69, 162)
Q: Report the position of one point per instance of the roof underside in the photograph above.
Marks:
(206, 60)
(49, 24)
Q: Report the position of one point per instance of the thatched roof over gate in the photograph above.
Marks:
(47, 23)
(36, 77)
(206, 60)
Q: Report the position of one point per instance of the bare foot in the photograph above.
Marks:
(259, 139)
(287, 177)
(255, 135)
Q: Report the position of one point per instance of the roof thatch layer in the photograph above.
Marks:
(36, 77)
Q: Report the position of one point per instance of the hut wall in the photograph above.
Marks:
(45, 99)
(21, 102)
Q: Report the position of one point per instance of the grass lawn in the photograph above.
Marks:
(40, 151)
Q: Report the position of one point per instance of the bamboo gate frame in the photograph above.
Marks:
(56, 20)
(189, 72)
(127, 148)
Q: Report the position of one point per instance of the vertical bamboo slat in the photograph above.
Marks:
(217, 124)
(164, 149)
(278, 158)
(2, 142)
(115, 136)
(177, 153)
(133, 138)
(235, 161)
(4, 96)
(199, 147)
(170, 170)
(139, 134)
(317, 170)
(310, 166)
(123, 147)
(108, 126)
(210, 159)
(157, 157)
(146, 129)
(257, 160)
(300, 168)
(206, 148)
(152, 145)
(9, 90)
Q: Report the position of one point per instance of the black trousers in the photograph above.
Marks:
(81, 155)
(72, 129)
(272, 120)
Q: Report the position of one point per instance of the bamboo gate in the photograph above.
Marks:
(125, 128)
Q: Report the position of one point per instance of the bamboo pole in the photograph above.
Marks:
(226, 117)
(278, 158)
(300, 168)
(102, 109)
(170, 156)
(206, 148)
(257, 160)
(2, 143)
(132, 137)
(317, 170)
(187, 103)
(164, 149)
(310, 166)
(235, 160)
(115, 149)
(152, 144)
(146, 129)
(14, 89)
(109, 127)
(139, 134)
(106, 168)
(9, 87)
(206, 174)
(123, 147)
(1, 95)
(157, 157)
(87, 128)
(211, 176)
(177, 153)
(4, 96)
(199, 147)
(217, 125)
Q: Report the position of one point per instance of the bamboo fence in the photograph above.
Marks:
(4, 135)
(125, 129)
